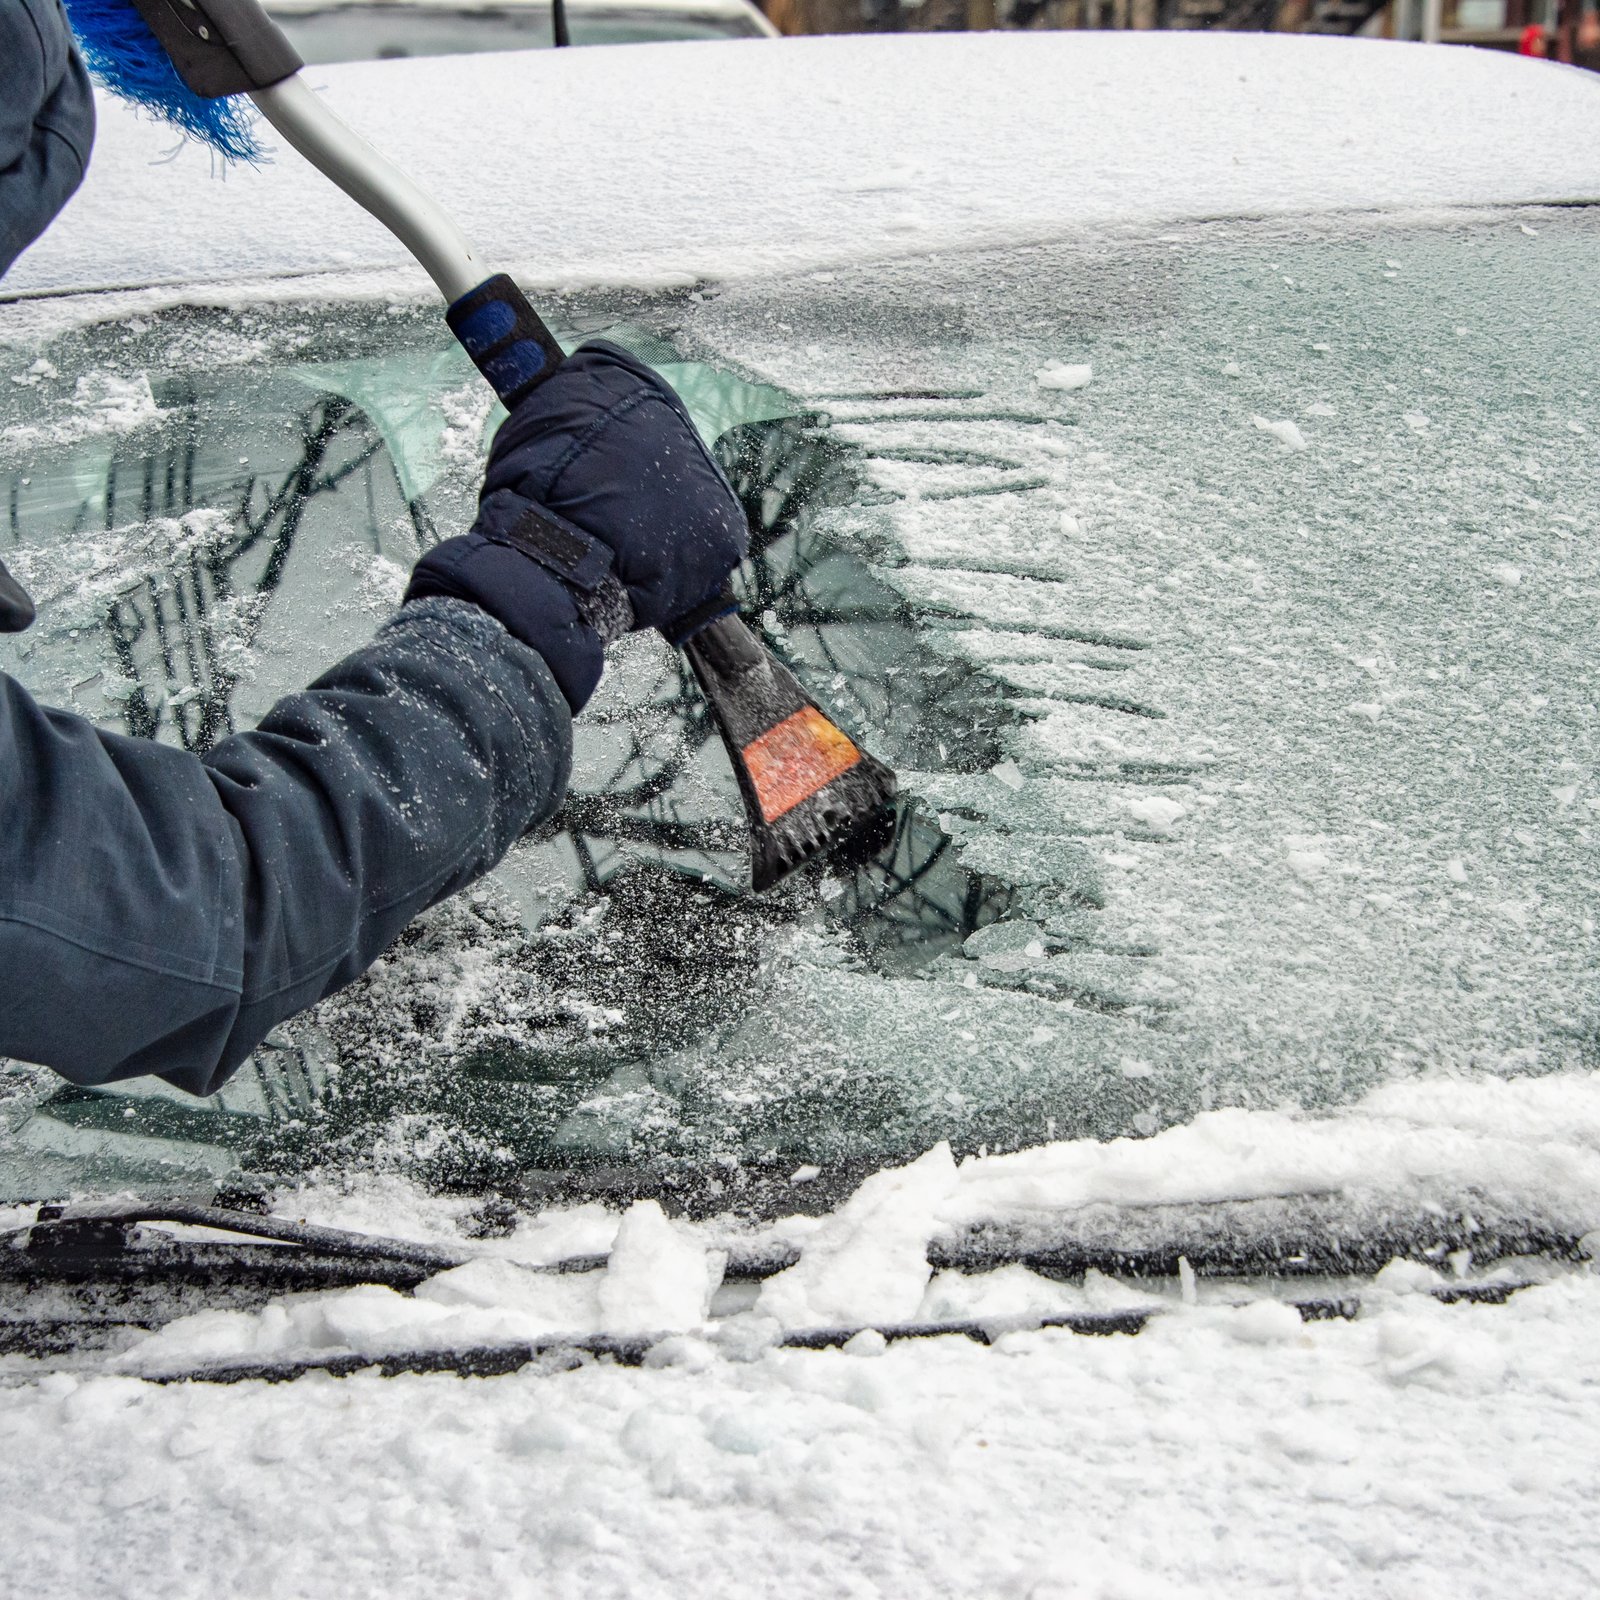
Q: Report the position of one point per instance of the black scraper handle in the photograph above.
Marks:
(506, 338)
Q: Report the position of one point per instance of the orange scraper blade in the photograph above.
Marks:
(794, 759)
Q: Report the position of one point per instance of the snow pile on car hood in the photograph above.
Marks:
(665, 163)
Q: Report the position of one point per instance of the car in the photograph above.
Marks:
(1180, 472)
(361, 30)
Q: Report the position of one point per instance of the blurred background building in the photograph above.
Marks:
(1565, 30)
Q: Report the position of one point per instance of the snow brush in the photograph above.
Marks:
(806, 785)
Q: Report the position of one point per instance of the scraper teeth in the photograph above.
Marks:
(820, 823)
(806, 784)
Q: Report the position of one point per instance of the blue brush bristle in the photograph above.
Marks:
(122, 53)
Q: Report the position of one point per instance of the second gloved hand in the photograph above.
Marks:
(601, 511)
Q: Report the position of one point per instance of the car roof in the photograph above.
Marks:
(656, 164)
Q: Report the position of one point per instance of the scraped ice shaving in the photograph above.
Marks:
(1308, 864)
(1533, 1144)
(102, 403)
(82, 575)
(1156, 812)
(1285, 432)
(1064, 375)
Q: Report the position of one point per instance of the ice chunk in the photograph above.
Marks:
(1504, 572)
(1063, 375)
(116, 405)
(1009, 773)
(658, 1279)
(1320, 408)
(1415, 421)
(542, 1302)
(1232, 369)
(1285, 432)
(1401, 1276)
(868, 1262)
(1265, 1322)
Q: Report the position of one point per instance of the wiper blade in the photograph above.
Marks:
(93, 1231)
(87, 1276)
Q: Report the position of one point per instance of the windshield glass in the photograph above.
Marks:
(1224, 601)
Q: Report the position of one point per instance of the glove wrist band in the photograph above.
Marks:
(578, 559)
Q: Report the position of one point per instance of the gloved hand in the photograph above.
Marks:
(601, 511)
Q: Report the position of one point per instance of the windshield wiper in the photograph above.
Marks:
(88, 1277)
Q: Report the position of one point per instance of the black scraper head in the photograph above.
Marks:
(807, 786)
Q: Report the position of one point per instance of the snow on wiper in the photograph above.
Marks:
(100, 1281)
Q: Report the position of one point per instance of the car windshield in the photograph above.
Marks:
(384, 32)
(1223, 599)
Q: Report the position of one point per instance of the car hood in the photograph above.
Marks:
(658, 164)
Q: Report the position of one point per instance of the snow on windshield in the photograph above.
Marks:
(1225, 602)
(1287, 548)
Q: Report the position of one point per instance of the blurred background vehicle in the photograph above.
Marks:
(355, 30)
(1560, 30)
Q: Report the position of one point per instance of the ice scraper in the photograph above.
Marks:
(805, 783)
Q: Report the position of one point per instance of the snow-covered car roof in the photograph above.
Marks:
(662, 163)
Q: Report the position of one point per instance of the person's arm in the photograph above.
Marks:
(160, 913)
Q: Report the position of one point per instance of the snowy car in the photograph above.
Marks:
(1180, 470)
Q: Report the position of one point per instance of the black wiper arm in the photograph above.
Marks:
(94, 1227)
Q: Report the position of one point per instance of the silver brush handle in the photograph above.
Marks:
(375, 183)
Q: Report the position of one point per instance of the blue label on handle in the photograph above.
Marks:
(514, 366)
(486, 326)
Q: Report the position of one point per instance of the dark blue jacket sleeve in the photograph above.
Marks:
(160, 913)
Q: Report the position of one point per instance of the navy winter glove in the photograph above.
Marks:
(601, 512)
